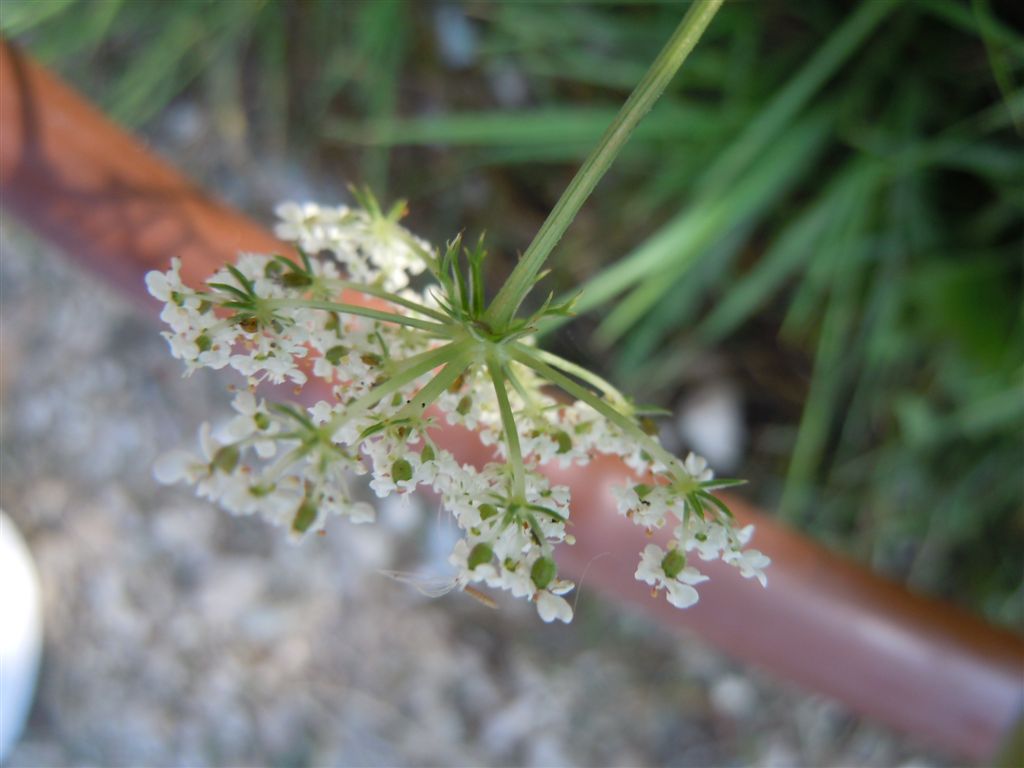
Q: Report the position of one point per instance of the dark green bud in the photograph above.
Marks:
(481, 554)
(226, 459)
(564, 442)
(262, 420)
(401, 471)
(543, 572)
(465, 404)
(259, 491)
(305, 516)
(204, 342)
(487, 511)
(371, 359)
(334, 354)
(427, 454)
(673, 563)
(296, 280)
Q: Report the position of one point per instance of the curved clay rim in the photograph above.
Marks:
(824, 622)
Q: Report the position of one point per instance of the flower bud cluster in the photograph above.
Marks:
(396, 364)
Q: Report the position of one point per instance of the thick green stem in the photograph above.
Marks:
(354, 309)
(508, 423)
(519, 283)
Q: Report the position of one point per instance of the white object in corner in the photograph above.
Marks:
(21, 633)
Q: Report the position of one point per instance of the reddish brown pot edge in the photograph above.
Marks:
(825, 622)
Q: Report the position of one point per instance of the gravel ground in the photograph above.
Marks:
(177, 635)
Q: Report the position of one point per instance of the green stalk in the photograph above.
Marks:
(625, 423)
(354, 309)
(508, 423)
(434, 388)
(683, 40)
(597, 382)
(381, 293)
(410, 370)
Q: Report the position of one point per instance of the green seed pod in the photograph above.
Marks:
(262, 420)
(204, 342)
(487, 511)
(481, 554)
(401, 471)
(427, 454)
(543, 572)
(296, 280)
(564, 442)
(226, 459)
(673, 563)
(334, 354)
(305, 516)
(464, 405)
(642, 490)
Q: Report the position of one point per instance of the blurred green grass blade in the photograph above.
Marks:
(20, 16)
(560, 125)
(789, 251)
(836, 350)
(783, 107)
(962, 16)
(191, 36)
(771, 122)
(381, 37)
(80, 29)
(637, 362)
(663, 259)
(155, 76)
(1002, 69)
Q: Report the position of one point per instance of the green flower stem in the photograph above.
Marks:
(406, 373)
(602, 385)
(434, 388)
(683, 40)
(381, 293)
(354, 309)
(622, 421)
(528, 398)
(508, 423)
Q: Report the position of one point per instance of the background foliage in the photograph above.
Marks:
(827, 205)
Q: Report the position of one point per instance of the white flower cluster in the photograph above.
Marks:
(372, 247)
(396, 364)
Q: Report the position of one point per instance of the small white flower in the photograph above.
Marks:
(551, 607)
(751, 563)
(651, 570)
(697, 466)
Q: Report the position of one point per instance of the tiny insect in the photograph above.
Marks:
(438, 586)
